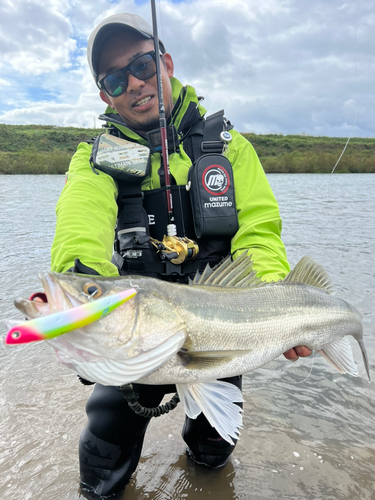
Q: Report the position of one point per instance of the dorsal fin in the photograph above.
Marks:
(308, 272)
(218, 272)
(201, 278)
(239, 273)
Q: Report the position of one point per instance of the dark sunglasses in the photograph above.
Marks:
(142, 67)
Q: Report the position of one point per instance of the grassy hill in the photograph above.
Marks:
(300, 153)
(39, 149)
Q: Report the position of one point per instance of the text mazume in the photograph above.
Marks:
(218, 201)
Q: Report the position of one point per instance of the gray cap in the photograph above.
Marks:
(111, 26)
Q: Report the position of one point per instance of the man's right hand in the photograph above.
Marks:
(295, 353)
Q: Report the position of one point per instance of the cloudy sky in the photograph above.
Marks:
(275, 66)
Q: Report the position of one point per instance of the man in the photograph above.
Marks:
(122, 60)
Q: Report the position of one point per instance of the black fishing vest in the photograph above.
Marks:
(142, 214)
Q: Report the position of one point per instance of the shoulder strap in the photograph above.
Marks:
(213, 127)
(130, 203)
(204, 136)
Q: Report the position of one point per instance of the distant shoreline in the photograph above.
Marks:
(45, 149)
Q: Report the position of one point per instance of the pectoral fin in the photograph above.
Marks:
(199, 360)
(216, 400)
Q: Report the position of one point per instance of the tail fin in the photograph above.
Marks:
(365, 358)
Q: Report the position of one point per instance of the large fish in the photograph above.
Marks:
(228, 322)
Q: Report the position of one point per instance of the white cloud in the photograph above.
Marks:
(4, 83)
(34, 37)
(279, 66)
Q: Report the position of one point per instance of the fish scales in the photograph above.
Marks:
(266, 321)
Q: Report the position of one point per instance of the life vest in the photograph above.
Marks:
(143, 214)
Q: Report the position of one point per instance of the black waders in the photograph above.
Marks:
(110, 446)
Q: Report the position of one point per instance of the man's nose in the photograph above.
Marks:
(134, 83)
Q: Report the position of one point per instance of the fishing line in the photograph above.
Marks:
(356, 81)
(311, 367)
(347, 142)
(330, 198)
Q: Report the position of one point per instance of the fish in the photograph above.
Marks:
(226, 323)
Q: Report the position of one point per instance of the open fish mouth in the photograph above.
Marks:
(57, 299)
(66, 312)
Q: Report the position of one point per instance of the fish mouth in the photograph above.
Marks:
(32, 309)
(58, 298)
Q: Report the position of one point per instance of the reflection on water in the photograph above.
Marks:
(168, 474)
(302, 439)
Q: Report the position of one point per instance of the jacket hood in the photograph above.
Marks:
(186, 111)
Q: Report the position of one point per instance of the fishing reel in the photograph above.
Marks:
(176, 249)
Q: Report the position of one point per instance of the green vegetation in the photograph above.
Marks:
(38, 149)
(308, 154)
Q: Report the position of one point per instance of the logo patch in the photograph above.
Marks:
(215, 180)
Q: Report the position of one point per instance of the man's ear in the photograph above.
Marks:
(168, 61)
(105, 98)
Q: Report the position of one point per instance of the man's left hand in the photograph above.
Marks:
(300, 351)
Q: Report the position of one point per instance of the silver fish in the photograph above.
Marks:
(228, 322)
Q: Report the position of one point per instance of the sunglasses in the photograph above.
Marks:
(142, 67)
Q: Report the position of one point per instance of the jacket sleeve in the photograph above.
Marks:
(86, 217)
(258, 213)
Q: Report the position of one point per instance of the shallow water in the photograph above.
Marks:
(302, 439)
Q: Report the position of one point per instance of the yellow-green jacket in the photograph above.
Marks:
(87, 208)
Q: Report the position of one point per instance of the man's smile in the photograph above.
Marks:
(143, 102)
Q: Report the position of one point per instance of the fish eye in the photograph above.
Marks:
(93, 289)
(16, 335)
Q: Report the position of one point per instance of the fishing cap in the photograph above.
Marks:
(110, 27)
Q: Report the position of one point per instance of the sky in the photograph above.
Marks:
(275, 66)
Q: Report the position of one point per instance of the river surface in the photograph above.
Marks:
(303, 438)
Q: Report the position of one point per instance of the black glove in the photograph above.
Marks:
(80, 268)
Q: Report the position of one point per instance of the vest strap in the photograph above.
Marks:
(129, 266)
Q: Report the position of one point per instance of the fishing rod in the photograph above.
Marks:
(171, 228)
(173, 248)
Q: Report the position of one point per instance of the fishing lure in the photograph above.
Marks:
(48, 327)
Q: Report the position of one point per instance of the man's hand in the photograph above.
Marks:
(297, 352)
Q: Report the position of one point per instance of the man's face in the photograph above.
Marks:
(138, 106)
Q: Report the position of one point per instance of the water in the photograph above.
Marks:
(302, 439)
